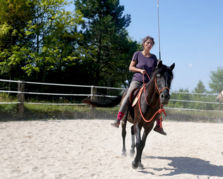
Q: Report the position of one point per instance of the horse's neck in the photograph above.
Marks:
(152, 95)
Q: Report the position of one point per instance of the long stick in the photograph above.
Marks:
(158, 28)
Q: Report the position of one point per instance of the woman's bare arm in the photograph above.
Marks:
(132, 68)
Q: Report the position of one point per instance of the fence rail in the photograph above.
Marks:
(58, 84)
(21, 93)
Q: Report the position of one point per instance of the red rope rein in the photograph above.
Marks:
(160, 110)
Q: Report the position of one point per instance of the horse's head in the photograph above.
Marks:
(163, 76)
(219, 98)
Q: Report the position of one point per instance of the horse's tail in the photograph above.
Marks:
(113, 102)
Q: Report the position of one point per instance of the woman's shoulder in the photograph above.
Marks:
(135, 55)
(154, 56)
(137, 52)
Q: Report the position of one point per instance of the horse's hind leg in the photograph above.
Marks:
(132, 151)
(124, 135)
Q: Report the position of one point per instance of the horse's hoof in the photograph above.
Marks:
(134, 165)
(141, 165)
(132, 153)
(124, 154)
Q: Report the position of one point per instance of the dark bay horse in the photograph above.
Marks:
(148, 108)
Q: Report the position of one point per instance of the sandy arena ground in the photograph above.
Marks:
(68, 149)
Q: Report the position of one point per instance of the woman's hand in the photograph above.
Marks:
(142, 71)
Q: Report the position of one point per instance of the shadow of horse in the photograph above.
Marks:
(188, 165)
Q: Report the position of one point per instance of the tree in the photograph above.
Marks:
(182, 94)
(200, 88)
(55, 35)
(14, 17)
(105, 36)
(38, 38)
(41, 41)
(216, 83)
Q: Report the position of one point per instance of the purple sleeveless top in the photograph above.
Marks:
(146, 63)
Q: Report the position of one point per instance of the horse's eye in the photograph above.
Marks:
(158, 75)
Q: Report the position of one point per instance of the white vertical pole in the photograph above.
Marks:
(158, 28)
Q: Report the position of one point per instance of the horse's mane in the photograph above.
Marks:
(161, 70)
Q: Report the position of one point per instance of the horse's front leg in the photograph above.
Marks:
(124, 136)
(140, 146)
(135, 162)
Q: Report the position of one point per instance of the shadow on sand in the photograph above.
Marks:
(187, 165)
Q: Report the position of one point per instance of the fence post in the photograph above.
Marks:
(21, 98)
(93, 92)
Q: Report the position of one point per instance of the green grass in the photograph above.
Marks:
(208, 115)
(9, 108)
(5, 97)
(36, 111)
(52, 108)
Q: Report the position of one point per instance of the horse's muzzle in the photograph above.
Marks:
(164, 97)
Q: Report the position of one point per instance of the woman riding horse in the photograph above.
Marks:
(146, 111)
(143, 62)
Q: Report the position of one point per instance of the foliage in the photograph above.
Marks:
(14, 16)
(201, 101)
(37, 37)
(216, 83)
(105, 35)
(41, 41)
(54, 34)
(200, 88)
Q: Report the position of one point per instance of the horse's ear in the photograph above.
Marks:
(159, 64)
(172, 66)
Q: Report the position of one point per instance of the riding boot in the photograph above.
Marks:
(118, 120)
(159, 127)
